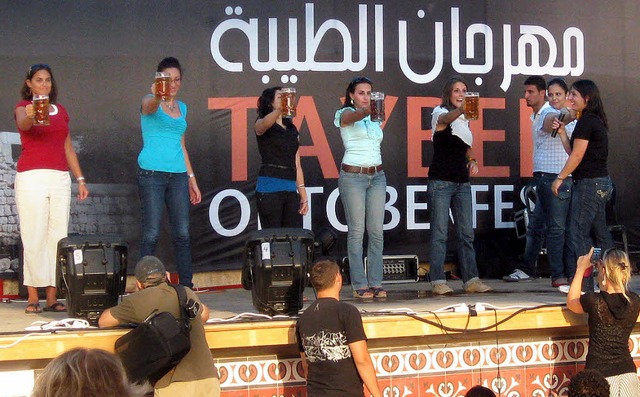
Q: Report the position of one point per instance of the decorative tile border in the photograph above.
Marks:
(529, 368)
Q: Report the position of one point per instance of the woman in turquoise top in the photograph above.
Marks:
(165, 176)
(362, 187)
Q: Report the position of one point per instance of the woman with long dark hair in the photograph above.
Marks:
(449, 189)
(613, 313)
(165, 175)
(587, 163)
(363, 186)
(280, 192)
(43, 185)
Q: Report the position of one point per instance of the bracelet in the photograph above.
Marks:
(470, 159)
(558, 177)
(303, 202)
(301, 185)
(192, 175)
(80, 178)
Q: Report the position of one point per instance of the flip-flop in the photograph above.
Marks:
(36, 308)
(56, 307)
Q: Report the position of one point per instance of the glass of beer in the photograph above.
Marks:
(471, 105)
(288, 102)
(41, 109)
(163, 86)
(377, 106)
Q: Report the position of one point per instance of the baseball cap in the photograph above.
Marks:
(150, 269)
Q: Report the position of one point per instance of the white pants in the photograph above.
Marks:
(43, 199)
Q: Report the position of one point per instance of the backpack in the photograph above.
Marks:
(154, 347)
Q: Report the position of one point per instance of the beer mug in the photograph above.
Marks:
(377, 106)
(163, 86)
(288, 102)
(471, 105)
(41, 109)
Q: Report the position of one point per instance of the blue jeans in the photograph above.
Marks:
(549, 218)
(363, 197)
(587, 218)
(158, 189)
(444, 195)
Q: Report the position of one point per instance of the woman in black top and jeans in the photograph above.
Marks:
(588, 153)
(280, 191)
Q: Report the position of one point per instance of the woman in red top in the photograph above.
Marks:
(43, 186)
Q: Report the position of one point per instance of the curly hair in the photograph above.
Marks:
(265, 104)
(588, 383)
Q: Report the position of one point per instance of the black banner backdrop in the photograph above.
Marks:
(104, 55)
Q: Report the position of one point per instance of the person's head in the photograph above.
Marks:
(269, 100)
(588, 383)
(535, 92)
(39, 81)
(150, 272)
(83, 372)
(557, 91)
(480, 391)
(614, 268)
(453, 92)
(584, 97)
(324, 274)
(172, 66)
(358, 93)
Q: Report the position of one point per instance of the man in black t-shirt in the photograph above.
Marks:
(332, 342)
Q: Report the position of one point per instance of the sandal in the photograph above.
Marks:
(56, 307)
(35, 308)
(364, 293)
(379, 292)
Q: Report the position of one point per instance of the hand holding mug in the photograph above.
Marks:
(30, 111)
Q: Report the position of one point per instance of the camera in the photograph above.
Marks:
(193, 308)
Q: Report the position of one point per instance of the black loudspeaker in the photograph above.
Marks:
(93, 269)
(277, 261)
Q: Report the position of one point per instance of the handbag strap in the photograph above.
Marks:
(182, 301)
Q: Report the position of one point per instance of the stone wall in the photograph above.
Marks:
(109, 209)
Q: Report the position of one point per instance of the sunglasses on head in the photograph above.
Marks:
(37, 67)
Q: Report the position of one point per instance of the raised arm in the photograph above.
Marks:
(350, 116)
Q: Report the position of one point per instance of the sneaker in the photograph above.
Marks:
(364, 293)
(517, 275)
(441, 289)
(559, 282)
(476, 286)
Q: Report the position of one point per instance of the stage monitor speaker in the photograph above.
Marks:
(278, 261)
(93, 269)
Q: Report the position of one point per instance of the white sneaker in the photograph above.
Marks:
(441, 289)
(517, 275)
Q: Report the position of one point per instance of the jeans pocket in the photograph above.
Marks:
(604, 190)
(564, 191)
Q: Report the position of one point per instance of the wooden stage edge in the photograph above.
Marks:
(30, 351)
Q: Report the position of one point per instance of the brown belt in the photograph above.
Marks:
(361, 170)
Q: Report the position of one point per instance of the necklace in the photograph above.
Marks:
(170, 107)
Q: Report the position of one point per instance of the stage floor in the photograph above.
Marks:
(228, 304)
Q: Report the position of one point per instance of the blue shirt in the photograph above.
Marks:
(361, 141)
(162, 141)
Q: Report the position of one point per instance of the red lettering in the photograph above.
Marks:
(526, 140)
(239, 136)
